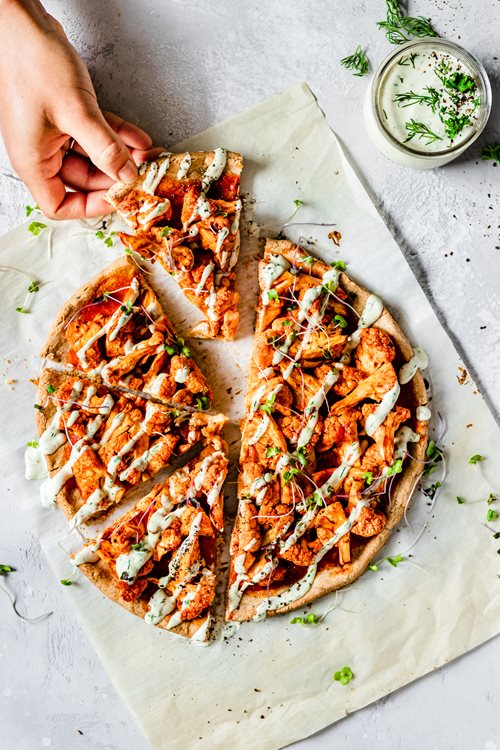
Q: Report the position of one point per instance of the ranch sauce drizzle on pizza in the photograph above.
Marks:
(184, 166)
(419, 361)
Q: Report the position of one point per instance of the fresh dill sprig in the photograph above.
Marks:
(408, 98)
(408, 60)
(400, 28)
(356, 62)
(414, 128)
(491, 151)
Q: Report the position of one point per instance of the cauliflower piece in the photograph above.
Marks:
(375, 348)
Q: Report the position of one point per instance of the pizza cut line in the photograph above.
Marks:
(333, 416)
(99, 443)
(184, 210)
(113, 329)
(159, 559)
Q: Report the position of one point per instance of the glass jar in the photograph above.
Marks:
(409, 70)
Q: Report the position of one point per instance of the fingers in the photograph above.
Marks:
(78, 172)
(104, 147)
(56, 203)
(130, 134)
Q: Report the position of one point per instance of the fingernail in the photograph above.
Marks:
(128, 172)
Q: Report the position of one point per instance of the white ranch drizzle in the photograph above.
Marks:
(114, 462)
(266, 373)
(115, 422)
(119, 318)
(260, 431)
(242, 582)
(158, 210)
(201, 633)
(140, 463)
(87, 554)
(53, 437)
(184, 166)
(418, 361)
(237, 213)
(221, 236)
(156, 384)
(276, 267)
(206, 463)
(203, 280)
(88, 508)
(375, 420)
(314, 404)
(370, 314)
(296, 591)
(423, 413)
(53, 485)
(155, 174)
(34, 462)
(214, 169)
(182, 374)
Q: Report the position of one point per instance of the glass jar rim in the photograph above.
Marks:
(476, 68)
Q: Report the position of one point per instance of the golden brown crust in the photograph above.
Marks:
(331, 576)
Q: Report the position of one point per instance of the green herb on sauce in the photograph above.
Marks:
(421, 130)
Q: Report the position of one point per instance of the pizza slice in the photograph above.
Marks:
(159, 560)
(113, 329)
(99, 443)
(184, 210)
(330, 423)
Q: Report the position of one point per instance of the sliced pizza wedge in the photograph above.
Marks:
(159, 560)
(99, 443)
(113, 329)
(184, 210)
(331, 423)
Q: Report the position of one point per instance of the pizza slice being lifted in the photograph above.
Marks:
(159, 560)
(184, 210)
(113, 329)
(99, 443)
(334, 417)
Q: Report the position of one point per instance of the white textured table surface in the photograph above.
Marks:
(177, 67)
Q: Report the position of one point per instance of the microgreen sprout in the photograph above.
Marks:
(476, 458)
(460, 500)
(491, 515)
(66, 582)
(30, 209)
(339, 265)
(32, 444)
(269, 403)
(396, 468)
(36, 227)
(394, 561)
(298, 203)
(4, 569)
(202, 403)
(344, 676)
(341, 321)
(33, 287)
(51, 389)
(272, 294)
(310, 619)
(270, 452)
(22, 310)
(368, 477)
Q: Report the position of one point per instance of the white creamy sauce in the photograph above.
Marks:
(260, 431)
(182, 374)
(157, 382)
(88, 508)
(371, 312)
(214, 169)
(221, 236)
(53, 485)
(275, 268)
(115, 422)
(312, 409)
(34, 463)
(294, 592)
(161, 208)
(52, 437)
(87, 554)
(404, 436)
(125, 316)
(155, 174)
(418, 361)
(140, 463)
(423, 413)
(184, 166)
(160, 605)
(204, 277)
(421, 78)
(340, 473)
(202, 632)
(266, 373)
(375, 420)
(115, 461)
(237, 214)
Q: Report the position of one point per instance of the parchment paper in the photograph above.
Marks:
(271, 683)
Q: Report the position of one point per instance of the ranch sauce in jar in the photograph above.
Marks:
(428, 101)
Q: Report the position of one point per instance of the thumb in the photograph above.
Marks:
(104, 147)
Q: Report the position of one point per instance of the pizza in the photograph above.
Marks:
(184, 211)
(334, 420)
(99, 443)
(159, 559)
(114, 330)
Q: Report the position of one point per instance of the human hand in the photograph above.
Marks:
(54, 131)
